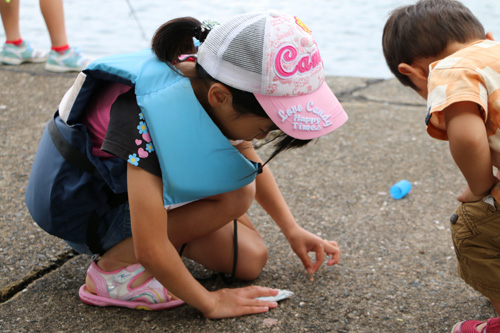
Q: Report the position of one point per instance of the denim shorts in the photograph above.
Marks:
(475, 229)
(113, 228)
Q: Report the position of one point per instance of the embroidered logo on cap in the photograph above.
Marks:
(288, 56)
(302, 25)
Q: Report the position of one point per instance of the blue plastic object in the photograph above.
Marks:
(400, 189)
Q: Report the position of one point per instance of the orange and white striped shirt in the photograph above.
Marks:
(470, 74)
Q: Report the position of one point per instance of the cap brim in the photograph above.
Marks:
(307, 116)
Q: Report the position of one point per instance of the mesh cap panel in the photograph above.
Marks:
(218, 38)
(248, 42)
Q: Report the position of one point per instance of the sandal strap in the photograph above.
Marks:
(114, 284)
(93, 273)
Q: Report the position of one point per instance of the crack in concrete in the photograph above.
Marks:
(369, 83)
(349, 95)
(14, 288)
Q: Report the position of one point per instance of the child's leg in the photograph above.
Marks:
(119, 256)
(207, 229)
(205, 221)
(53, 14)
(496, 305)
(10, 19)
(475, 228)
(215, 251)
(203, 217)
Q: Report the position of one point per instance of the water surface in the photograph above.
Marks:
(348, 31)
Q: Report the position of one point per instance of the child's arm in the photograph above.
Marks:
(470, 149)
(157, 254)
(270, 198)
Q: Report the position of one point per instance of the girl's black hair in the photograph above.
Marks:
(175, 38)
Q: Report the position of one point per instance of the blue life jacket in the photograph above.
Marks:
(68, 186)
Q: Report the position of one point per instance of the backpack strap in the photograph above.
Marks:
(70, 153)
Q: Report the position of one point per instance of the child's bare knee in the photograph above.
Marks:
(239, 201)
(246, 194)
(251, 265)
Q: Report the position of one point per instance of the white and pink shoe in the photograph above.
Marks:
(114, 289)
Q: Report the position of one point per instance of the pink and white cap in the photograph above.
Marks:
(275, 57)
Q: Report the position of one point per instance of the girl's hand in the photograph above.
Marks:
(240, 301)
(303, 242)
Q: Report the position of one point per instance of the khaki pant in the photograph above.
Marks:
(475, 230)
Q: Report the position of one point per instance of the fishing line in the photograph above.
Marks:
(134, 14)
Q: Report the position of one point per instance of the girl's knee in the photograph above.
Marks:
(251, 262)
(246, 194)
(239, 201)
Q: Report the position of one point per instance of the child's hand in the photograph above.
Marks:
(468, 196)
(303, 242)
(241, 301)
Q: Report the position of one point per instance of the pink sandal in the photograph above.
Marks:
(113, 289)
(470, 326)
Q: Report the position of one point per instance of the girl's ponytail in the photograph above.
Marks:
(175, 38)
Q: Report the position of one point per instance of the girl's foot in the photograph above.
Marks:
(17, 54)
(71, 60)
(116, 289)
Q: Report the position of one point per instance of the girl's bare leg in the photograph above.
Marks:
(215, 251)
(10, 19)
(207, 227)
(53, 14)
(202, 217)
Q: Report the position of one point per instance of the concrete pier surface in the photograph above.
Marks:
(397, 271)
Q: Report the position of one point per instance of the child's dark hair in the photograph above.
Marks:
(175, 38)
(424, 30)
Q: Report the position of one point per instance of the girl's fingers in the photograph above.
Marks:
(330, 248)
(335, 253)
(320, 256)
(258, 291)
(301, 252)
(251, 303)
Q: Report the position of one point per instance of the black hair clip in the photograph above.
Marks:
(201, 32)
